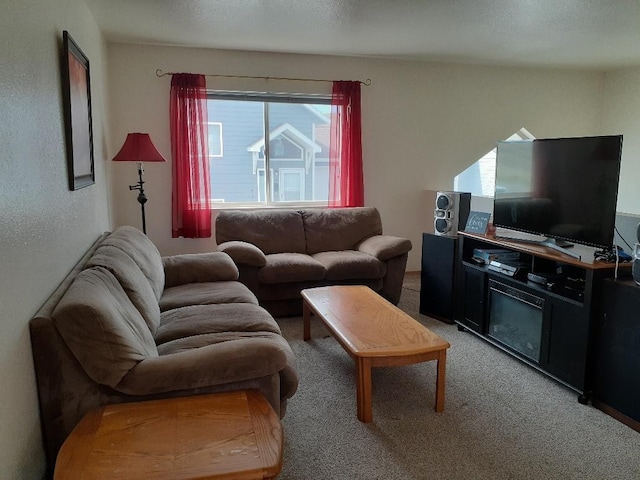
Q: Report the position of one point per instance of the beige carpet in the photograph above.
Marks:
(412, 282)
(502, 419)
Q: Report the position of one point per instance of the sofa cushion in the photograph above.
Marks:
(272, 231)
(205, 294)
(290, 267)
(204, 319)
(142, 250)
(350, 265)
(334, 229)
(102, 328)
(133, 281)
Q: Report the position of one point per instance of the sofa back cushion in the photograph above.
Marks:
(102, 328)
(272, 231)
(143, 252)
(335, 229)
(133, 281)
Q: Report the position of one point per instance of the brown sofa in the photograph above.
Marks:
(282, 251)
(129, 325)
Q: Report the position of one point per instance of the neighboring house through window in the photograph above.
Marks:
(276, 148)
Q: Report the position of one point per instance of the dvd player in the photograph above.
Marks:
(506, 268)
(544, 278)
(537, 278)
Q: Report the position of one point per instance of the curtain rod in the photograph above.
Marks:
(366, 83)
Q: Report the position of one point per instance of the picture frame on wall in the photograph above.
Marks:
(77, 111)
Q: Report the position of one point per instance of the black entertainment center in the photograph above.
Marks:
(548, 324)
(533, 288)
(547, 285)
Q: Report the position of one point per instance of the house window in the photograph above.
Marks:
(215, 139)
(480, 178)
(276, 148)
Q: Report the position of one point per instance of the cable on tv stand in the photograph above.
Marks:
(550, 242)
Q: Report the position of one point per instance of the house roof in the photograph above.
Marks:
(293, 134)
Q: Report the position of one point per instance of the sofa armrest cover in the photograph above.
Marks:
(244, 253)
(249, 356)
(198, 267)
(384, 247)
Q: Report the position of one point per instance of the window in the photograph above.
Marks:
(215, 139)
(276, 148)
(479, 178)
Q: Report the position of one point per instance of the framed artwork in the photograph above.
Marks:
(477, 222)
(77, 111)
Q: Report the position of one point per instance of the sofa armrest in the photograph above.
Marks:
(384, 247)
(198, 267)
(244, 253)
(241, 359)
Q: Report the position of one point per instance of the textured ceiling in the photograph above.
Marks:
(574, 33)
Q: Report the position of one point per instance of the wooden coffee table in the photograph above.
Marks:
(375, 333)
(233, 435)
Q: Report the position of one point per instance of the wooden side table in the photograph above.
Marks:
(232, 435)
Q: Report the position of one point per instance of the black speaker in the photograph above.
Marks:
(437, 276)
(451, 212)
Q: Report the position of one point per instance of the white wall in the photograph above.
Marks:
(44, 227)
(621, 114)
(423, 123)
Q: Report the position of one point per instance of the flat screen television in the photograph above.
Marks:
(565, 189)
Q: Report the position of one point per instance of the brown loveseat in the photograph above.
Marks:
(280, 252)
(129, 325)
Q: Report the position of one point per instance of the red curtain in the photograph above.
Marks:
(191, 210)
(346, 184)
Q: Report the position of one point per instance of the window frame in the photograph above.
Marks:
(266, 98)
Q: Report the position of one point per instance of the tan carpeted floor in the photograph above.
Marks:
(502, 419)
(412, 281)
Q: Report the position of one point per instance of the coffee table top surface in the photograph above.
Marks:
(367, 325)
(231, 435)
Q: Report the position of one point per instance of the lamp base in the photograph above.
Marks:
(142, 198)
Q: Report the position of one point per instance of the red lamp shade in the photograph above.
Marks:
(138, 147)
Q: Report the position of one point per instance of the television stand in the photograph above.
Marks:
(549, 242)
(551, 326)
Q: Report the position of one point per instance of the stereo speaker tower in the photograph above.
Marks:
(451, 212)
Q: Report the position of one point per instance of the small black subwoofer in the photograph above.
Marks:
(451, 212)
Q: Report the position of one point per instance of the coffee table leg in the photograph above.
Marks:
(363, 390)
(306, 320)
(440, 380)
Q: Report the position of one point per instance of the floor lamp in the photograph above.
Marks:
(138, 147)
